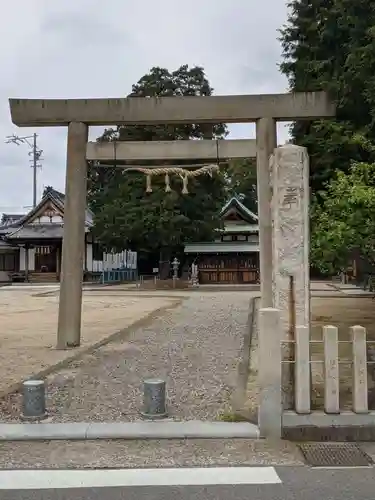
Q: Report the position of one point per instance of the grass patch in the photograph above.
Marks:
(232, 417)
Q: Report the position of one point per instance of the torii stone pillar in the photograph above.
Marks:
(291, 269)
(73, 247)
(266, 137)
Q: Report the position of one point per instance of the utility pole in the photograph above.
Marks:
(35, 153)
(35, 166)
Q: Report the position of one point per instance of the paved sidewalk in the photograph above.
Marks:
(150, 453)
(29, 323)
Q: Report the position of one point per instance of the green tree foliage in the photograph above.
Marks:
(151, 221)
(125, 215)
(160, 82)
(241, 178)
(343, 222)
(330, 45)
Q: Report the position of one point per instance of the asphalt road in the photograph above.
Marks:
(285, 483)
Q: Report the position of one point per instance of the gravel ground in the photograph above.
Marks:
(28, 328)
(195, 347)
(150, 453)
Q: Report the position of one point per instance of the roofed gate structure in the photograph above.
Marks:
(79, 114)
(233, 258)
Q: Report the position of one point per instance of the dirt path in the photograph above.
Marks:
(28, 328)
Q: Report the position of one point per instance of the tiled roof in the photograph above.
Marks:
(59, 199)
(10, 218)
(244, 211)
(5, 244)
(37, 232)
(16, 227)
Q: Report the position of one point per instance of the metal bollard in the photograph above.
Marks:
(34, 400)
(154, 399)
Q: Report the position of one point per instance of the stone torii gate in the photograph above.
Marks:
(79, 114)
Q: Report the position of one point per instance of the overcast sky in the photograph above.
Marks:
(92, 48)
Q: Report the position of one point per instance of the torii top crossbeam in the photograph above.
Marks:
(154, 110)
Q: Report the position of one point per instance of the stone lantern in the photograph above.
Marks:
(175, 266)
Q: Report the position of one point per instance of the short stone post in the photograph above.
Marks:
(331, 369)
(269, 372)
(360, 385)
(34, 400)
(154, 399)
(302, 370)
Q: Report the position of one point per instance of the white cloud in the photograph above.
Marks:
(91, 48)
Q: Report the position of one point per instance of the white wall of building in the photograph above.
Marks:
(45, 219)
(23, 259)
(89, 259)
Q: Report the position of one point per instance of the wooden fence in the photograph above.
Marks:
(331, 370)
(272, 417)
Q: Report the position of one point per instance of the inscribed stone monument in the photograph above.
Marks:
(290, 209)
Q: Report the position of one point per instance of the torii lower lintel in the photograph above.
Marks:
(222, 149)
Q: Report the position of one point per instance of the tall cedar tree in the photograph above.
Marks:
(330, 45)
(158, 222)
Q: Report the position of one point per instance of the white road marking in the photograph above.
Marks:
(342, 467)
(58, 479)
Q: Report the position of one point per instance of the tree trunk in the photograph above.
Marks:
(164, 263)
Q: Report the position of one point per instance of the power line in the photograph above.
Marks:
(15, 207)
(35, 153)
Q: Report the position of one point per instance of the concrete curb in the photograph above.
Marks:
(91, 348)
(244, 363)
(85, 288)
(193, 429)
(361, 293)
(339, 294)
(154, 293)
(320, 426)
